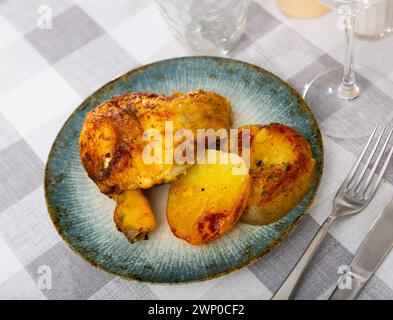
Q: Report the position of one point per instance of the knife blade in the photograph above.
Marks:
(371, 253)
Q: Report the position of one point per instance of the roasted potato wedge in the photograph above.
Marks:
(133, 215)
(281, 169)
(209, 199)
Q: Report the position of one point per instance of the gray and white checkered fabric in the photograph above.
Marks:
(45, 74)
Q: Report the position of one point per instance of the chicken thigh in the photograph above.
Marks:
(113, 141)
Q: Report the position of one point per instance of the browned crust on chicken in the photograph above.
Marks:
(111, 142)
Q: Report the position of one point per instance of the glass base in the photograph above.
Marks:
(345, 92)
(354, 115)
(374, 37)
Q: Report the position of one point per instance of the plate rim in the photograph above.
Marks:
(273, 245)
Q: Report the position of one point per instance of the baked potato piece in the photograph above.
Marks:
(133, 215)
(281, 169)
(209, 199)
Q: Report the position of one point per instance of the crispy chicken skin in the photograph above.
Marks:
(111, 142)
(111, 146)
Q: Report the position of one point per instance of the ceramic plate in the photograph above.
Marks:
(84, 217)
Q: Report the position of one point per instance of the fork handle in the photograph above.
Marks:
(287, 289)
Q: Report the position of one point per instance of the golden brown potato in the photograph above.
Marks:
(282, 170)
(133, 215)
(209, 199)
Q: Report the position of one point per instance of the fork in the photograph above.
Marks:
(355, 193)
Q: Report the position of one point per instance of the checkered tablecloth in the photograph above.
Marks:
(45, 74)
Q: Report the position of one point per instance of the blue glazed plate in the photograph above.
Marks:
(84, 217)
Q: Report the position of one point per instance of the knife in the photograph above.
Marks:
(369, 256)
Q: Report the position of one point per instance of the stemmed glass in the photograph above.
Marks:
(348, 97)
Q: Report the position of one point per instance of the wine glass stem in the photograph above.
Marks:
(348, 89)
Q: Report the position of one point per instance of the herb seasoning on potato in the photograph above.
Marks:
(281, 169)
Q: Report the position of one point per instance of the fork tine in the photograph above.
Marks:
(360, 176)
(349, 178)
(374, 168)
(375, 185)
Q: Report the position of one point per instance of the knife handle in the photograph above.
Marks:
(348, 294)
(287, 289)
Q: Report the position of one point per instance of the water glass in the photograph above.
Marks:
(206, 26)
(376, 21)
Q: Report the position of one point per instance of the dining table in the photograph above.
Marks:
(48, 69)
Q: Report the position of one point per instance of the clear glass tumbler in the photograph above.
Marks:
(375, 22)
(206, 26)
